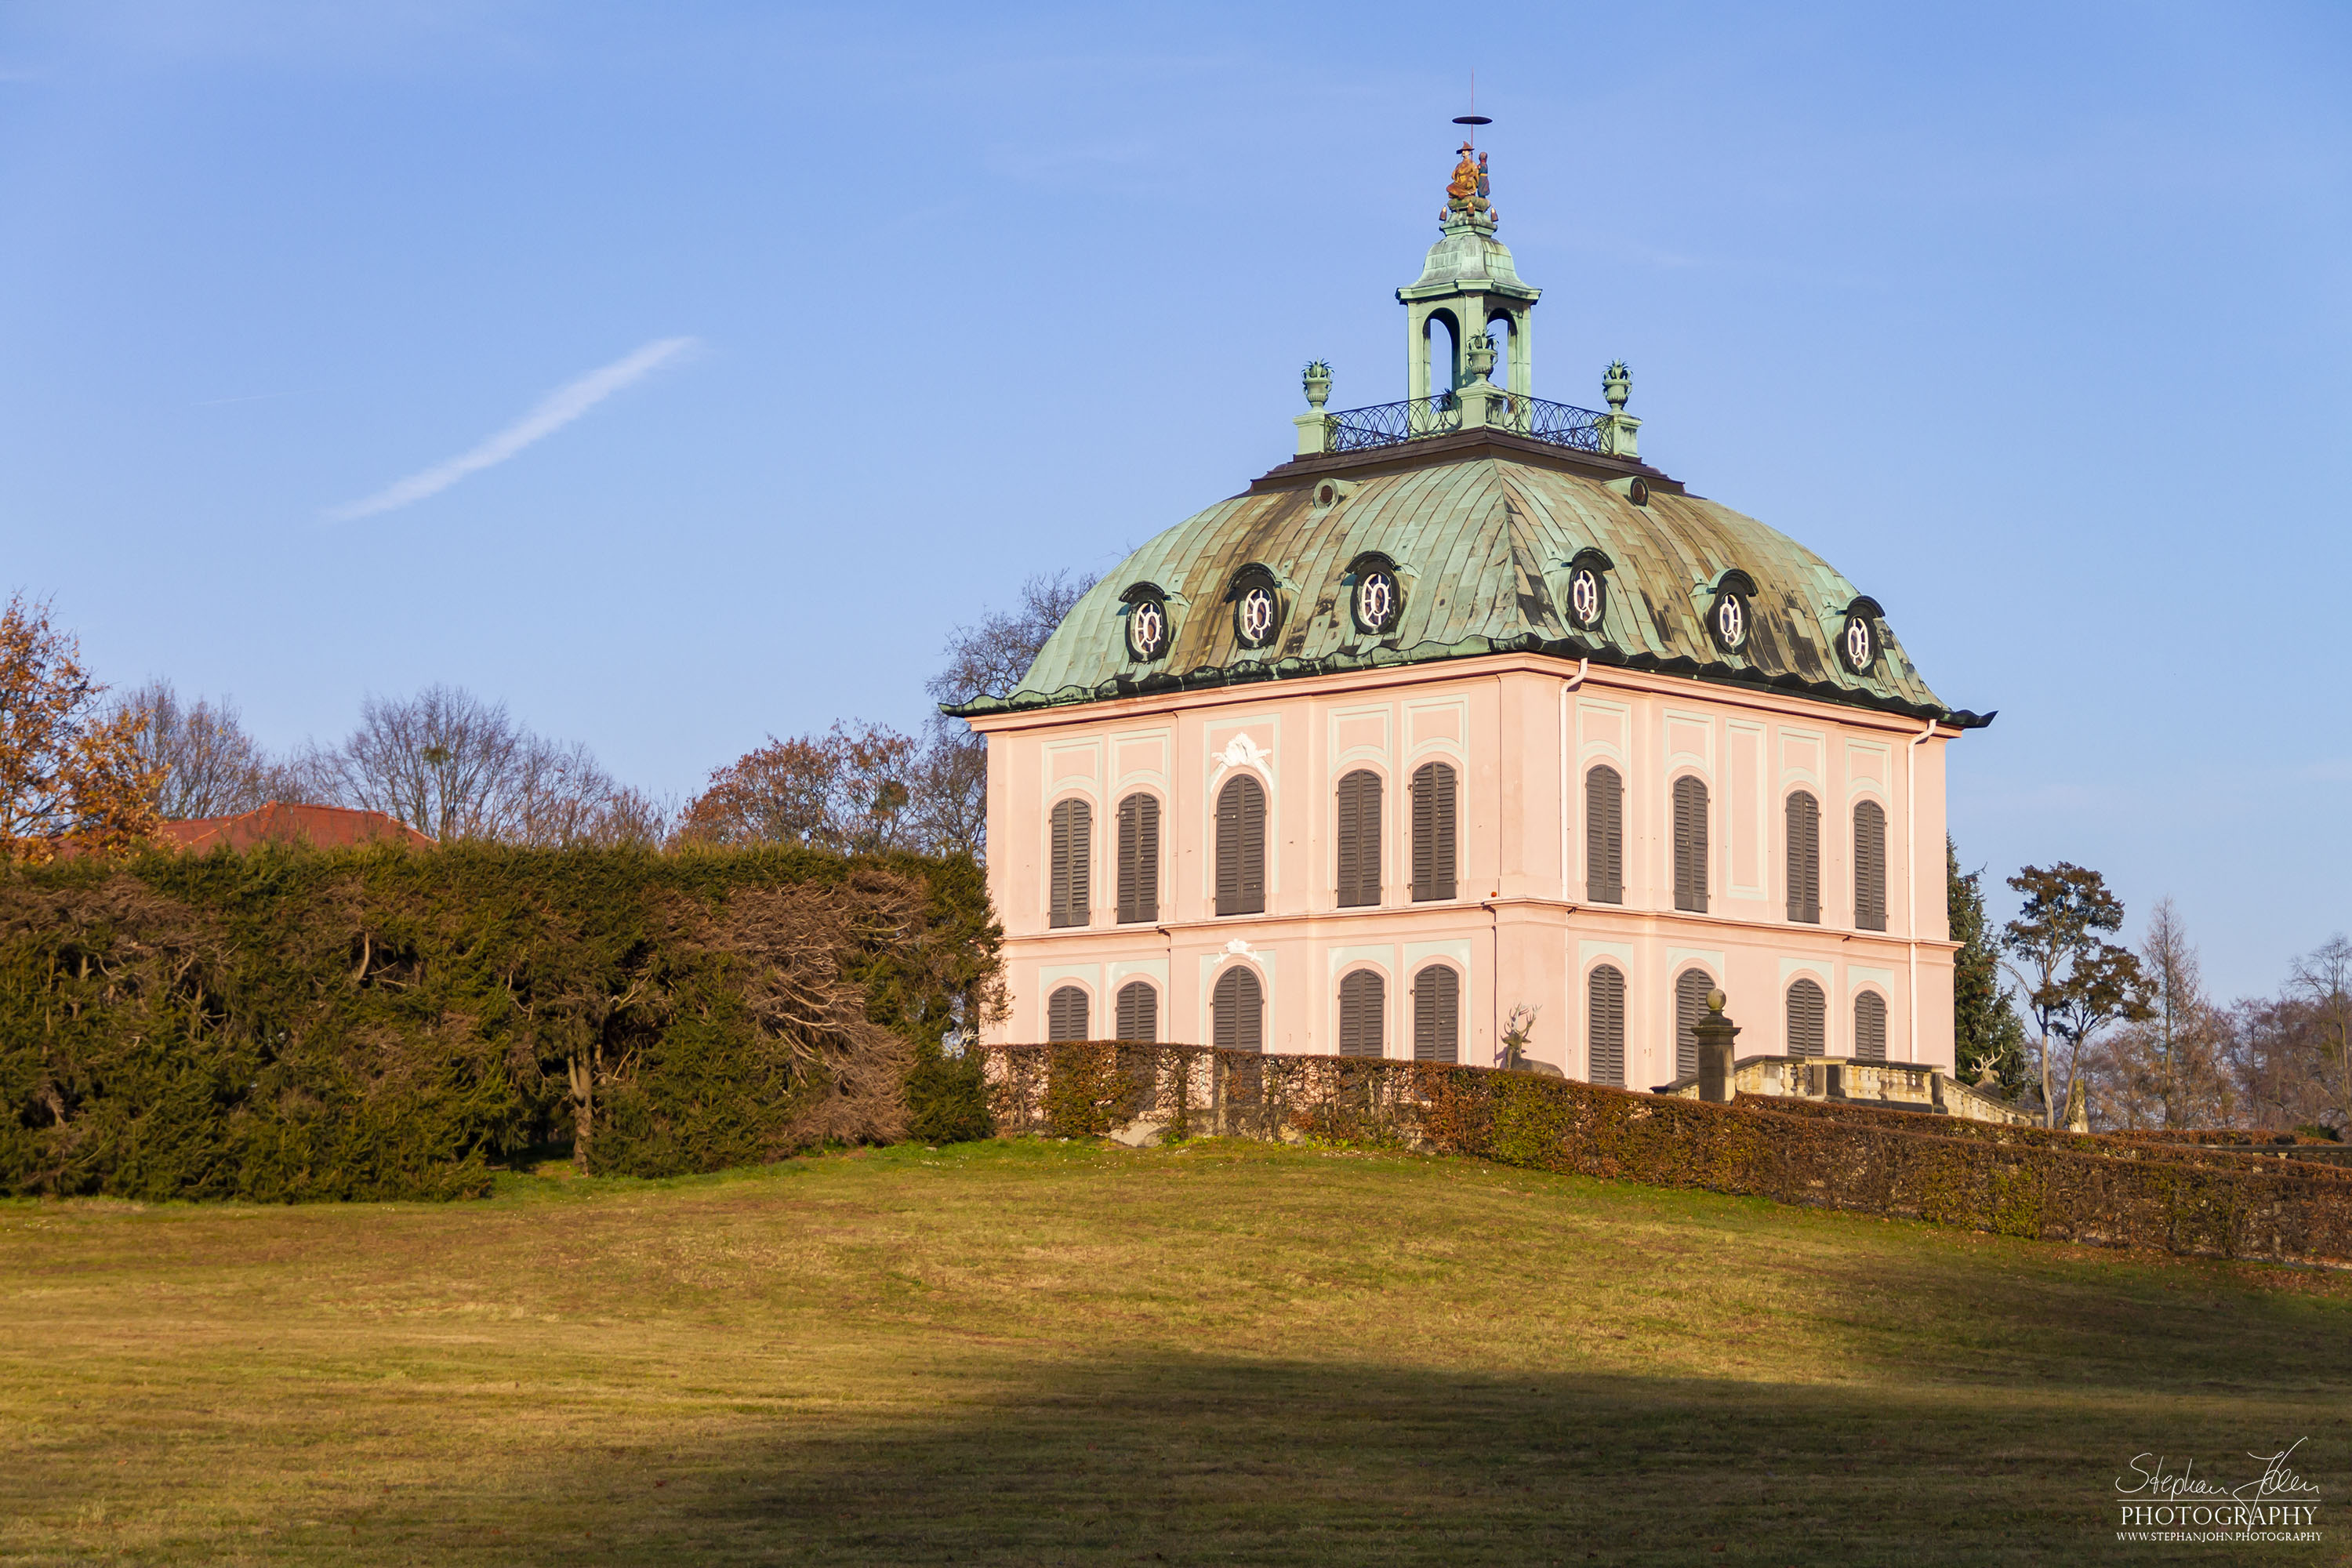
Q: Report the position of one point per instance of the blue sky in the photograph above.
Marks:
(2035, 320)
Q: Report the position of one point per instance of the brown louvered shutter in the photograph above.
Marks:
(1363, 999)
(1432, 832)
(1604, 837)
(1869, 1026)
(1607, 1010)
(1690, 844)
(1073, 844)
(1065, 1014)
(1138, 859)
(1690, 1007)
(1241, 848)
(1138, 1012)
(1807, 1020)
(1358, 832)
(1437, 1014)
(1804, 858)
(1237, 1011)
(1869, 867)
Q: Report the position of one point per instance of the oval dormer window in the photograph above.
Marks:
(1256, 616)
(1377, 601)
(1146, 628)
(1728, 621)
(1588, 590)
(1258, 606)
(1859, 643)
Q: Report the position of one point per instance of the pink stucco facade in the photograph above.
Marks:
(1522, 733)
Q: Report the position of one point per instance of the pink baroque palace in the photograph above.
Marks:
(1464, 724)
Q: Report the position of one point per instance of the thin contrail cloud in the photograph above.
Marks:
(558, 408)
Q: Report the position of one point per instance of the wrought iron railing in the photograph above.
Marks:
(1393, 423)
(1558, 423)
(1388, 424)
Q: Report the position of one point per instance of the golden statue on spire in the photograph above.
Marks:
(1465, 192)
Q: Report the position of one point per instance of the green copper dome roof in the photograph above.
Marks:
(1481, 535)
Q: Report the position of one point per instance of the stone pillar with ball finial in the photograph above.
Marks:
(1714, 1033)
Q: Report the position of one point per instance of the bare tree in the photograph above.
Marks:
(209, 765)
(988, 657)
(872, 788)
(452, 765)
(948, 815)
(778, 793)
(440, 762)
(2322, 981)
(856, 789)
(2167, 1067)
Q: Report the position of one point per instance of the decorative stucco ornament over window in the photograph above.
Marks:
(1241, 752)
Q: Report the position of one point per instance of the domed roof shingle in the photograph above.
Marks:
(1482, 541)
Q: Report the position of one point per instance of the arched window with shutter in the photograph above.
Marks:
(1363, 999)
(1605, 993)
(1869, 866)
(1807, 1020)
(1804, 858)
(1437, 1014)
(1138, 859)
(1237, 1011)
(1869, 1026)
(1690, 843)
(1359, 836)
(1432, 832)
(1691, 987)
(1604, 836)
(1138, 1012)
(1070, 858)
(1065, 1014)
(1241, 847)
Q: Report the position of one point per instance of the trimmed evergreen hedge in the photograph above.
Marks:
(388, 1023)
(2015, 1181)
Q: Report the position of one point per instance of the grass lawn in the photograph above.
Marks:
(1059, 1353)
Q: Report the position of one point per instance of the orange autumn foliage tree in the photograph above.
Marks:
(71, 775)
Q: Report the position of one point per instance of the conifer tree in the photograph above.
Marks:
(1986, 1030)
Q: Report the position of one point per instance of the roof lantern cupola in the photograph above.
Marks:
(1469, 348)
(1468, 311)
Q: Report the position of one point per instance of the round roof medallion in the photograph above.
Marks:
(1728, 621)
(1638, 492)
(1859, 643)
(1588, 596)
(1326, 494)
(1146, 628)
(1257, 615)
(1378, 599)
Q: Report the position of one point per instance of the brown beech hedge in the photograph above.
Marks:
(2012, 1180)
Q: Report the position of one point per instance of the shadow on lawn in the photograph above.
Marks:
(1195, 1460)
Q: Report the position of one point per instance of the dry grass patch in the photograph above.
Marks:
(1025, 1352)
